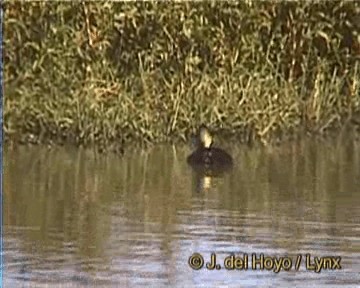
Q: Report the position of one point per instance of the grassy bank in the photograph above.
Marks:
(108, 73)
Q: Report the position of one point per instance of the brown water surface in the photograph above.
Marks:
(75, 218)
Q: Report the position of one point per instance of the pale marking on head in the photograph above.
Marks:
(205, 137)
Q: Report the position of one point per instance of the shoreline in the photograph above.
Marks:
(349, 130)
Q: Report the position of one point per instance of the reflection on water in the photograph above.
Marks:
(76, 218)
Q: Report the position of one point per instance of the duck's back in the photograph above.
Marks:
(211, 158)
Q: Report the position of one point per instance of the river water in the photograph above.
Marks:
(76, 218)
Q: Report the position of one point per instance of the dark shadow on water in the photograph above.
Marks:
(204, 176)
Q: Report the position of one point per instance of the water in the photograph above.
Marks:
(74, 218)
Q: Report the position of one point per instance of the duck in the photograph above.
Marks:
(207, 158)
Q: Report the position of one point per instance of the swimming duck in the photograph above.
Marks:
(207, 158)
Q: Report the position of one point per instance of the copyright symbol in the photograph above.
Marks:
(196, 261)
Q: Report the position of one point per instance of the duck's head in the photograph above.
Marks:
(206, 139)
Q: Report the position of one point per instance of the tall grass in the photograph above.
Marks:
(106, 72)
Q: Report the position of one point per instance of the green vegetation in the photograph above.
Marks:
(105, 72)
